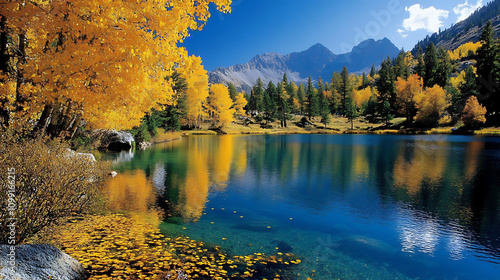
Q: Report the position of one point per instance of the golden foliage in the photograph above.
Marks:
(463, 50)
(474, 113)
(362, 96)
(460, 78)
(129, 247)
(424, 166)
(407, 92)
(50, 182)
(219, 104)
(129, 192)
(240, 103)
(108, 58)
(431, 104)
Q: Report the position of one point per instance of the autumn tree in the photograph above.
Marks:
(431, 104)
(282, 106)
(406, 92)
(474, 113)
(105, 65)
(219, 105)
(239, 104)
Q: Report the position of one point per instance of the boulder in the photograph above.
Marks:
(88, 156)
(116, 141)
(39, 262)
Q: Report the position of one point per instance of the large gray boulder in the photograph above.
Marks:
(115, 141)
(39, 262)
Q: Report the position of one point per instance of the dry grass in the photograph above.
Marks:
(166, 137)
(491, 131)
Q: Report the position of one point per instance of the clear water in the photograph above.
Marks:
(351, 206)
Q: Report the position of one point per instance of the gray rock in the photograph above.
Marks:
(37, 262)
(88, 156)
(116, 141)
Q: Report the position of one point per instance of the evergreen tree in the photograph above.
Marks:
(344, 90)
(401, 69)
(301, 97)
(420, 67)
(373, 71)
(488, 72)
(270, 106)
(232, 91)
(366, 81)
(257, 97)
(321, 88)
(444, 68)
(290, 90)
(351, 112)
(312, 100)
(324, 108)
(431, 76)
(386, 87)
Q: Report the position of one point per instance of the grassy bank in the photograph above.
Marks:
(338, 125)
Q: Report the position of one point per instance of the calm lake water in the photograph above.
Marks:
(350, 206)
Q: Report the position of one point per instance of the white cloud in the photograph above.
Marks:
(402, 33)
(465, 10)
(430, 19)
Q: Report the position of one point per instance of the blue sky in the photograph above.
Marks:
(285, 26)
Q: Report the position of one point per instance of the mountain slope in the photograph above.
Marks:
(316, 61)
(468, 30)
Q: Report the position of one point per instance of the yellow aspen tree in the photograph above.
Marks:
(431, 105)
(239, 104)
(362, 96)
(474, 113)
(197, 90)
(99, 61)
(406, 93)
(220, 105)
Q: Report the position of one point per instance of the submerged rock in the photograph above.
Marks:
(284, 247)
(39, 262)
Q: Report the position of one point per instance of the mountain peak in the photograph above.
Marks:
(316, 61)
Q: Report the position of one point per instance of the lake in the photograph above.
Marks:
(350, 206)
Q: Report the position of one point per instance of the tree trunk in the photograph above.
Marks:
(44, 120)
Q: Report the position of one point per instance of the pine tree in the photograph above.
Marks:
(256, 99)
(444, 68)
(344, 90)
(232, 91)
(420, 67)
(351, 112)
(366, 81)
(312, 100)
(386, 87)
(431, 66)
(301, 96)
(373, 71)
(401, 69)
(488, 72)
(324, 108)
(270, 107)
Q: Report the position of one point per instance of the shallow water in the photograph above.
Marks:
(350, 206)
